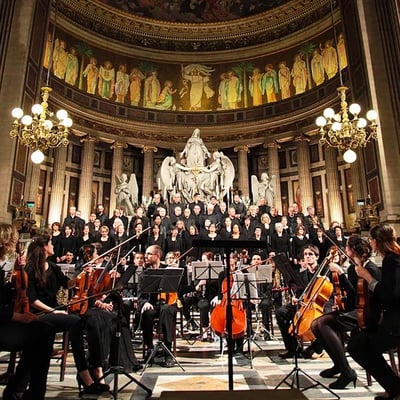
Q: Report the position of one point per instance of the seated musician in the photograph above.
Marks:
(45, 278)
(285, 314)
(22, 331)
(265, 291)
(151, 306)
(329, 329)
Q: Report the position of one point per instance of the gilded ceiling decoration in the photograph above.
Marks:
(265, 27)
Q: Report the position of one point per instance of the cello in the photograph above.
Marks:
(218, 318)
(312, 301)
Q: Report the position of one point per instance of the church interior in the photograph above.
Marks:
(264, 90)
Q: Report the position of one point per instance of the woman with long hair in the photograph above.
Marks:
(22, 331)
(44, 280)
(368, 346)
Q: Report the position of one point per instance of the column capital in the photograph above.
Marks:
(271, 145)
(117, 145)
(302, 139)
(88, 138)
(148, 149)
(241, 148)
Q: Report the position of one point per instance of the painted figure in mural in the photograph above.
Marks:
(234, 90)
(284, 80)
(269, 83)
(72, 70)
(60, 58)
(223, 91)
(255, 86)
(263, 188)
(121, 84)
(317, 69)
(127, 193)
(106, 80)
(47, 51)
(329, 59)
(195, 152)
(165, 101)
(341, 49)
(135, 86)
(199, 76)
(152, 90)
(299, 74)
(91, 73)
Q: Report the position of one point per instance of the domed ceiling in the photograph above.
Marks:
(194, 11)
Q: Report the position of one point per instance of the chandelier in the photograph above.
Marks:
(38, 131)
(343, 132)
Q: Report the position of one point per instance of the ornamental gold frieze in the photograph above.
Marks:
(147, 33)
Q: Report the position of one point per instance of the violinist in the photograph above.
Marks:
(45, 278)
(22, 332)
(368, 346)
(285, 314)
(330, 328)
(151, 306)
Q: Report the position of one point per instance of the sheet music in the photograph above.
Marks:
(68, 269)
(263, 273)
(242, 290)
(207, 270)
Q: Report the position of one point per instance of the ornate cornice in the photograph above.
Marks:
(116, 25)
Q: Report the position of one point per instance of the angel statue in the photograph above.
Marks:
(263, 188)
(127, 192)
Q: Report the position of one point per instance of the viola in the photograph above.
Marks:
(19, 280)
(218, 319)
(79, 302)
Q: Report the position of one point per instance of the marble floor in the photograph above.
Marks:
(203, 368)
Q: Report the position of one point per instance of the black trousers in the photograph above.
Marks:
(167, 316)
(367, 349)
(36, 342)
(284, 316)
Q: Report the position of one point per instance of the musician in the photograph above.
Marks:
(330, 328)
(22, 332)
(151, 306)
(285, 314)
(368, 346)
(45, 278)
(265, 290)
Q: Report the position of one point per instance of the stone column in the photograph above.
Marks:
(32, 181)
(86, 178)
(17, 14)
(243, 172)
(332, 181)
(148, 178)
(273, 170)
(117, 165)
(57, 188)
(303, 165)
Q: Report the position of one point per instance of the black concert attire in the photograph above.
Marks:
(69, 243)
(330, 328)
(60, 322)
(75, 222)
(56, 240)
(296, 247)
(368, 346)
(280, 243)
(35, 340)
(106, 244)
(285, 314)
(166, 313)
(160, 240)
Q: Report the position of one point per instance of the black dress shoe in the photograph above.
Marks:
(286, 354)
(329, 373)
(137, 367)
(169, 362)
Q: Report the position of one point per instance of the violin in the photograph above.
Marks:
(338, 294)
(19, 280)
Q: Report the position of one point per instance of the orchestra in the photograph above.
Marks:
(341, 296)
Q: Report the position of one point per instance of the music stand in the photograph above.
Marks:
(244, 287)
(208, 270)
(294, 281)
(263, 276)
(117, 369)
(165, 280)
